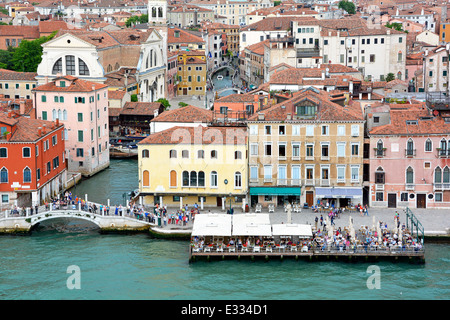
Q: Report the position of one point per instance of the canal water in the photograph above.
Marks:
(138, 267)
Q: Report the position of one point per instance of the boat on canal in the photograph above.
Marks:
(124, 147)
(220, 77)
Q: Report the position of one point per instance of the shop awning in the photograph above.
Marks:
(251, 225)
(212, 225)
(339, 192)
(301, 230)
(275, 191)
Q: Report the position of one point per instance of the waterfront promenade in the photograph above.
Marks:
(435, 222)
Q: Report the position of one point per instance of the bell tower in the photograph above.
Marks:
(157, 12)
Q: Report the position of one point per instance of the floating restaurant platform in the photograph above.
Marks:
(251, 236)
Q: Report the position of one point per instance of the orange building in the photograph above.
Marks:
(32, 161)
(237, 105)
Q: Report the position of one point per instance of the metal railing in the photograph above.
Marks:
(303, 182)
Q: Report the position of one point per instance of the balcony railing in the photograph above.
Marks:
(379, 153)
(410, 153)
(410, 186)
(304, 182)
(443, 153)
(441, 186)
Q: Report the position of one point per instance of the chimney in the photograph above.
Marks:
(43, 129)
(260, 116)
(39, 131)
(288, 117)
(57, 122)
(22, 107)
(350, 87)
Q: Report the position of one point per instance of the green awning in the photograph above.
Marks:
(275, 191)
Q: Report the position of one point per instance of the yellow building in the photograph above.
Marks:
(188, 165)
(191, 73)
(306, 149)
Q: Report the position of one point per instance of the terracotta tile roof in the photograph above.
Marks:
(395, 82)
(326, 109)
(116, 94)
(199, 135)
(426, 124)
(257, 48)
(50, 26)
(26, 32)
(141, 108)
(269, 24)
(185, 114)
(73, 85)
(310, 76)
(237, 97)
(114, 112)
(18, 76)
(184, 36)
(27, 129)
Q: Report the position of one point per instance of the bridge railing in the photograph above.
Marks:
(91, 207)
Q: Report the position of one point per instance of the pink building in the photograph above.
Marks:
(410, 160)
(82, 106)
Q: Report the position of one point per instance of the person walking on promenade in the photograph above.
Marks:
(321, 220)
(316, 220)
(366, 210)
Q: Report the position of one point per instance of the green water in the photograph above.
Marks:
(137, 267)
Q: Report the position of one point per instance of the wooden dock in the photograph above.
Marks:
(400, 254)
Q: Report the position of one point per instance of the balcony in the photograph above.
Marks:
(379, 187)
(442, 153)
(441, 186)
(410, 153)
(410, 186)
(324, 182)
(380, 153)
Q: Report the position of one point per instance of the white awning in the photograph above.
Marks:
(212, 225)
(251, 224)
(255, 218)
(252, 229)
(301, 230)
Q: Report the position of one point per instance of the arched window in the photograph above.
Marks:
(214, 179)
(54, 114)
(185, 179)
(64, 114)
(237, 180)
(160, 12)
(57, 67)
(409, 176)
(379, 176)
(428, 145)
(27, 175)
(237, 155)
(173, 178)
(145, 153)
(437, 175)
(201, 154)
(443, 150)
(109, 69)
(213, 154)
(117, 66)
(193, 179)
(201, 179)
(380, 148)
(410, 148)
(146, 179)
(185, 154)
(172, 153)
(4, 175)
(244, 37)
(154, 12)
(446, 175)
(60, 113)
(83, 69)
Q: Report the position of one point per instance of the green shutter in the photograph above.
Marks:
(80, 135)
(43, 98)
(76, 100)
(44, 115)
(61, 99)
(56, 99)
(83, 100)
